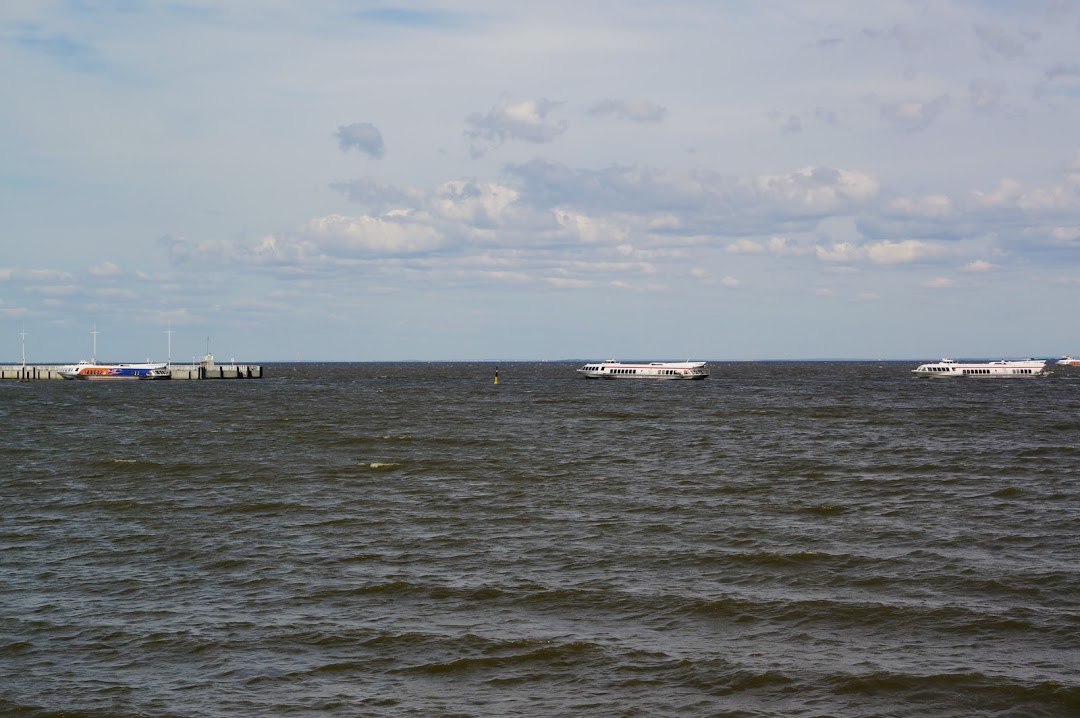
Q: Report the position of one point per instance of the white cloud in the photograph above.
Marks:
(105, 269)
(633, 110)
(55, 289)
(34, 275)
(931, 218)
(1072, 172)
(839, 252)
(745, 246)
(364, 235)
(475, 204)
(362, 136)
(938, 283)
(1008, 193)
(881, 253)
(900, 252)
(914, 115)
(568, 283)
(813, 190)
(777, 246)
(651, 254)
(116, 293)
(929, 207)
(509, 119)
(1001, 42)
(1065, 234)
(1012, 195)
(781, 246)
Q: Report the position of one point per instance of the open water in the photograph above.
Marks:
(783, 539)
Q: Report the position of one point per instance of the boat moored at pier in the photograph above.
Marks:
(1002, 369)
(614, 369)
(97, 372)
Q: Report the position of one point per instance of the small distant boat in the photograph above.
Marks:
(614, 369)
(1068, 361)
(92, 371)
(1002, 369)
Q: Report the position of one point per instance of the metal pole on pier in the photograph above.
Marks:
(22, 373)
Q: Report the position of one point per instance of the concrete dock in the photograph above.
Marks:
(202, 370)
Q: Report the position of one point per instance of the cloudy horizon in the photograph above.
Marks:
(353, 181)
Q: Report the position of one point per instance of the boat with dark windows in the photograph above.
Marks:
(93, 371)
(614, 369)
(1002, 369)
(1068, 361)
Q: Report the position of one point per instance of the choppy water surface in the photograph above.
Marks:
(819, 539)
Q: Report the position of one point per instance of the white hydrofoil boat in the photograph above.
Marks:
(1003, 369)
(614, 369)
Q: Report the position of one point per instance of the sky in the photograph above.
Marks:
(342, 180)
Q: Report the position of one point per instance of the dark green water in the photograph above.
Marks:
(783, 539)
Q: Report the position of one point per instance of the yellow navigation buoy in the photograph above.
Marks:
(496, 375)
